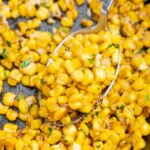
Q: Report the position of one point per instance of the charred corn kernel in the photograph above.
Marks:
(42, 13)
(75, 101)
(3, 109)
(67, 22)
(54, 137)
(8, 98)
(19, 145)
(11, 115)
(23, 106)
(9, 127)
(34, 111)
(138, 84)
(51, 104)
(6, 63)
(35, 124)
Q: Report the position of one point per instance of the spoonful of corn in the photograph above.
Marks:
(85, 66)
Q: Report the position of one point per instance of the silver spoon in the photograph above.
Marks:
(101, 25)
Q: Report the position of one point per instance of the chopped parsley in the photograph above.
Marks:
(147, 98)
(91, 60)
(42, 81)
(117, 45)
(98, 146)
(109, 46)
(25, 63)
(49, 131)
(4, 53)
(8, 43)
(122, 106)
(96, 113)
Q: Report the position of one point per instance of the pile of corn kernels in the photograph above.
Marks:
(72, 81)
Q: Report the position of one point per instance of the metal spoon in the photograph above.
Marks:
(101, 25)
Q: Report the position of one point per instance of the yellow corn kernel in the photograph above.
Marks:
(138, 84)
(88, 77)
(70, 130)
(86, 22)
(22, 116)
(34, 110)
(9, 127)
(69, 66)
(94, 88)
(51, 104)
(140, 144)
(67, 22)
(6, 63)
(8, 98)
(53, 67)
(54, 136)
(26, 80)
(99, 74)
(31, 44)
(29, 70)
(80, 137)
(34, 145)
(75, 101)
(42, 13)
(62, 100)
(60, 113)
(19, 145)
(11, 115)
(44, 58)
(145, 129)
(62, 79)
(23, 106)
(31, 10)
(3, 109)
(78, 75)
(35, 124)
(104, 135)
(16, 75)
(43, 112)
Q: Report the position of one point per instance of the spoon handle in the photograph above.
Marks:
(106, 6)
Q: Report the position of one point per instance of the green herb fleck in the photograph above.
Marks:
(1, 117)
(8, 43)
(25, 63)
(4, 55)
(96, 113)
(109, 46)
(6, 73)
(98, 146)
(122, 106)
(83, 71)
(117, 45)
(49, 131)
(147, 98)
(42, 81)
(18, 97)
(91, 60)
